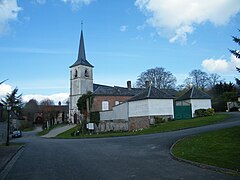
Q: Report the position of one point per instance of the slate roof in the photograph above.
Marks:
(81, 60)
(103, 90)
(194, 93)
(151, 93)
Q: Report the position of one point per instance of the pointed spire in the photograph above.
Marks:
(81, 50)
(81, 60)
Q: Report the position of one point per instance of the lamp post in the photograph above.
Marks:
(8, 124)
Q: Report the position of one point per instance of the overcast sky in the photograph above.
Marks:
(39, 40)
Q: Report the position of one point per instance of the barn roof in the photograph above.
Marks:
(151, 93)
(194, 93)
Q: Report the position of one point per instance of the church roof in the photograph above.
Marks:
(194, 93)
(81, 60)
(151, 93)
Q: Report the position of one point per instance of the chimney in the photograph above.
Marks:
(147, 84)
(129, 86)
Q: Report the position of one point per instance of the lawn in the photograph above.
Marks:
(218, 148)
(162, 127)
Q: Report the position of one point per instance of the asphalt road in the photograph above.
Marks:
(135, 157)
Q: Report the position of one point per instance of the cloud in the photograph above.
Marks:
(55, 97)
(221, 65)
(177, 19)
(123, 28)
(8, 12)
(41, 1)
(76, 4)
(4, 89)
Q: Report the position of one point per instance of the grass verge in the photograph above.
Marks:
(218, 148)
(45, 131)
(163, 127)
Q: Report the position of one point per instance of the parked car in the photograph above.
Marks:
(16, 134)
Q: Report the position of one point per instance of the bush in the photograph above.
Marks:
(204, 112)
(95, 117)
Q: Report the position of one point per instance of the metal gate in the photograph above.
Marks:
(182, 112)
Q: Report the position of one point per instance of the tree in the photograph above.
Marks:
(14, 101)
(199, 78)
(47, 111)
(30, 109)
(159, 78)
(84, 104)
(236, 53)
(213, 79)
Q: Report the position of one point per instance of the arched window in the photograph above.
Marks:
(105, 105)
(76, 73)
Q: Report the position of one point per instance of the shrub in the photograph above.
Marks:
(204, 112)
(95, 117)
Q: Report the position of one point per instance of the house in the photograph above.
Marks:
(190, 101)
(139, 111)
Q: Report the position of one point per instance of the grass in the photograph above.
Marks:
(163, 127)
(218, 148)
(45, 131)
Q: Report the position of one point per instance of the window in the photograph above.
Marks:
(86, 73)
(117, 103)
(105, 105)
(76, 73)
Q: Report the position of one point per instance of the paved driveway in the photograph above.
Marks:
(135, 157)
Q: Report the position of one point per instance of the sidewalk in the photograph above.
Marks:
(54, 132)
(7, 153)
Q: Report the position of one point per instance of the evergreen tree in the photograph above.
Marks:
(236, 53)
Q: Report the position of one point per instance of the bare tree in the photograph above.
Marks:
(159, 78)
(213, 79)
(198, 79)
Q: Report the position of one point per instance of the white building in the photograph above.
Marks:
(140, 111)
(194, 99)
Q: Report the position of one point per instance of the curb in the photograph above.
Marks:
(7, 161)
(204, 166)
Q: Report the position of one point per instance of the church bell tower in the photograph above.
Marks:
(81, 81)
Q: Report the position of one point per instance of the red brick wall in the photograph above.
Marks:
(97, 102)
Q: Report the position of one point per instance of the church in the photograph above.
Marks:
(81, 82)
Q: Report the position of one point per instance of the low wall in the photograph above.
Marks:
(110, 125)
(136, 123)
(3, 132)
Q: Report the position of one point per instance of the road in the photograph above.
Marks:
(135, 157)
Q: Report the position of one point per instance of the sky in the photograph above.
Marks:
(39, 40)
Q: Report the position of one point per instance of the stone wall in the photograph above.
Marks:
(136, 123)
(116, 125)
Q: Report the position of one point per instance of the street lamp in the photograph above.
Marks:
(8, 124)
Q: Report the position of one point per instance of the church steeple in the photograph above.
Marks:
(81, 60)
